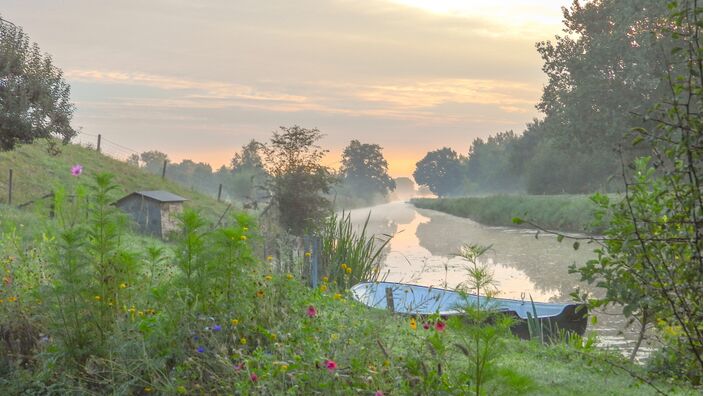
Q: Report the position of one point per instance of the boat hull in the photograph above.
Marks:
(421, 301)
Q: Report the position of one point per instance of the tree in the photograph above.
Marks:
(34, 98)
(650, 261)
(249, 158)
(365, 170)
(441, 171)
(154, 160)
(298, 179)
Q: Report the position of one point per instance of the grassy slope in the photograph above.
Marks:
(558, 212)
(36, 173)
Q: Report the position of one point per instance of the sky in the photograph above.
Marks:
(199, 79)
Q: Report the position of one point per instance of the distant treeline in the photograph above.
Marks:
(603, 75)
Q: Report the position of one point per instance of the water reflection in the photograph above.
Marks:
(424, 243)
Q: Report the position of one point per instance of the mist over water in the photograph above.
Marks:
(422, 251)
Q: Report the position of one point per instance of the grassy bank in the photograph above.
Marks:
(574, 213)
(36, 173)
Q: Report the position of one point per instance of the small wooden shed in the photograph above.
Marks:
(154, 211)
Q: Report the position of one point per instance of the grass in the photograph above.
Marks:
(35, 174)
(574, 213)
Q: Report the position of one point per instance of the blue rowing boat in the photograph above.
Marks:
(416, 300)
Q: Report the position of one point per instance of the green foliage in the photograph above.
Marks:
(441, 171)
(557, 212)
(348, 255)
(298, 180)
(34, 98)
(365, 170)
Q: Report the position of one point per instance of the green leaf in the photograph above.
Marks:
(575, 245)
(560, 237)
(517, 220)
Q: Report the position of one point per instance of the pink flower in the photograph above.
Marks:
(440, 326)
(330, 365)
(239, 367)
(76, 170)
(378, 393)
(426, 325)
(253, 377)
(311, 312)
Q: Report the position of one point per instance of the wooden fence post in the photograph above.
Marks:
(390, 299)
(314, 253)
(9, 191)
(98, 147)
(163, 170)
(219, 192)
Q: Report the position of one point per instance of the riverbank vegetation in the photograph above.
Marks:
(570, 213)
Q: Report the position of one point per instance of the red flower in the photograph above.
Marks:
(378, 393)
(440, 326)
(426, 325)
(330, 365)
(311, 312)
(253, 377)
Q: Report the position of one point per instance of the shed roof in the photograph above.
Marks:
(158, 195)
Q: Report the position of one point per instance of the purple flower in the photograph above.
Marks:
(217, 328)
(76, 170)
(200, 349)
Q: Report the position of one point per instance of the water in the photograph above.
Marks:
(423, 251)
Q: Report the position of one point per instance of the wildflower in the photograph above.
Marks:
(284, 367)
(330, 365)
(269, 258)
(235, 322)
(97, 298)
(440, 326)
(307, 254)
(413, 324)
(378, 393)
(426, 325)
(260, 293)
(200, 349)
(289, 276)
(140, 313)
(311, 312)
(337, 296)
(272, 336)
(348, 270)
(1, 301)
(147, 389)
(132, 309)
(343, 266)
(253, 377)
(12, 299)
(243, 341)
(325, 279)
(386, 363)
(239, 367)
(76, 170)
(123, 285)
(245, 229)
(217, 328)
(268, 277)
(323, 287)
(243, 237)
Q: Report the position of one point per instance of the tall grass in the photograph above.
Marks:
(558, 212)
(349, 255)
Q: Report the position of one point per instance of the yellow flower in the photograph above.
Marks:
(325, 279)
(132, 309)
(269, 258)
(148, 389)
(323, 288)
(386, 363)
(268, 277)
(245, 229)
(337, 296)
(123, 285)
(12, 299)
(1, 301)
(307, 254)
(334, 337)
(348, 270)
(413, 323)
(243, 237)
(272, 336)
(343, 266)
(140, 313)
(243, 341)
(260, 293)
(235, 322)
(284, 367)
(289, 276)
(97, 298)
